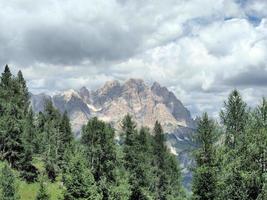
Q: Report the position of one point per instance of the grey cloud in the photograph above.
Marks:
(71, 44)
(251, 78)
(65, 44)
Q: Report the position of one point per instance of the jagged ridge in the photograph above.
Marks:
(145, 103)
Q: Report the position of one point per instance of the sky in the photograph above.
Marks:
(199, 49)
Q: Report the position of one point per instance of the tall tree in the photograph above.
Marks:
(204, 178)
(78, 180)
(132, 160)
(66, 138)
(98, 140)
(167, 171)
(14, 104)
(28, 171)
(234, 117)
(52, 140)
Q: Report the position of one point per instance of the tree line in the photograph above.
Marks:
(231, 161)
(97, 166)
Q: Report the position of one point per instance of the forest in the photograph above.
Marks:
(41, 159)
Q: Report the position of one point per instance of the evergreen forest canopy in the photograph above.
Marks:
(40, 158)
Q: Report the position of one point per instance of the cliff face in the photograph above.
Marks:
(114, 100)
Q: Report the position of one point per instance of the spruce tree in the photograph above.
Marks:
(167, 171)
(78, 180)
(8, 189)
(66, 138)
(234, 117)
(204, 176)
(24, 97)
(10, 119)
(98, 140)
(14, 104)
(28, 171)
(132, 159)
(51, 140)
(253, 154)
(130, 133)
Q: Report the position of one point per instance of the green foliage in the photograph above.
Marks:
(8, 189)
(98, 140)
(205, 180)
(42, 193)
(78, 180)
(15, 127)
(234, 117)
(56, 137)
(167, 172)
(137, 159)
(140, 166)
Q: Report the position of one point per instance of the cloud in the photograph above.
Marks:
(252, 77)
(200, 49)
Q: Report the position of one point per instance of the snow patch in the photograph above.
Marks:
(93, 108)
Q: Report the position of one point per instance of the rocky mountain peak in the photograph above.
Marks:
(68, 94)
(85, 94)
(159, 90)
(114, 100)
(136, 84)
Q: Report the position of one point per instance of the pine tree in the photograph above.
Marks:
(159, 150)
(24, 94)
(204, 178)
(98, 140)
(235, 179)
(8, 189)
(167, 171)
(253, 151)
(6, 78)
(132, 162)
(28, 171)
(65, 138)
(130, 132)
(39, 143)
(234, 117)
(11, 144)
(78, 180)
(51, 140)
(14, 124)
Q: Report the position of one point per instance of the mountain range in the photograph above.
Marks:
(144, 103)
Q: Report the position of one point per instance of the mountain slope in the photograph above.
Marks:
(114, 100)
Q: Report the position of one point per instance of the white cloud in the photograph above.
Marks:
(191, 46)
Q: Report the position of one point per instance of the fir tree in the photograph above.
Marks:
(167, 171)
(6, 78)
(28, 171)
(79, 181)
(129, 132)
(132, 159)
(65, 138)
(234, 117)
(204, 179)
(98, 140)
(51, 140)
(159, 150)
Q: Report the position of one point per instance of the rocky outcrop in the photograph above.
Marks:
(145, 103)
